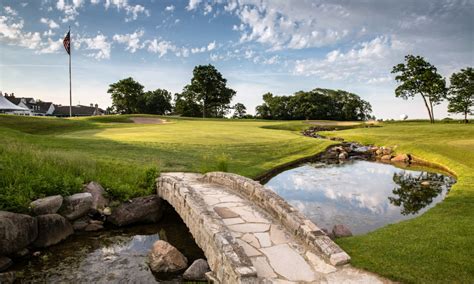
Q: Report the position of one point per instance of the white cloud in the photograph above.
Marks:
(132, 10)
(9, 29)
(192, 4)
(216, 57)
(211, 46)
(161, 47)
(51, 23)
(94, 2)
(272, 60)
(308, 24)
(100, 44)
(131, 40)
(52, 46)
(207, 9)
(69, 10)
(48, 33)
(10, 11)
(365, 62)
(198, 50)
(170, 8)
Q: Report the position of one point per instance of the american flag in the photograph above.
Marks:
(67, 43)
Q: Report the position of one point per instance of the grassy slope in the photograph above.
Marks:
(44, 156)
(437, 247)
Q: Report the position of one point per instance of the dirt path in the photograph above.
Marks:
(148, 120)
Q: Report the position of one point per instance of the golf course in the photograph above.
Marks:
(46, 156)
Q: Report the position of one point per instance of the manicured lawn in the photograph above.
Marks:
(44, 156)
(437, 247)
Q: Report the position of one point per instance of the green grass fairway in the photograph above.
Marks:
(43, 156)
(437, 247)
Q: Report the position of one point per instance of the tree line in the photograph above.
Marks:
(316, 104)
(418, 77)
(207, 95)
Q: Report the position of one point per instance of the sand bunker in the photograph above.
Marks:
(147, 120)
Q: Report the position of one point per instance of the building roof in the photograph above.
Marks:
(43, 107)
(13, 100)
(6, 105)
(79, 110)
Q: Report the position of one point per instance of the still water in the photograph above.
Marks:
(111, 256)
(359, 194)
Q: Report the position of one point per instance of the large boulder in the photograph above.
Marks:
(341, 231)
(343, 155)
(5, 263)
(99, 199)
(47, 205)
(76, 205)
(52, 229)
(145, 209)
(81, 223)
(16, 232)
(165, 258)
(387, 151)
(197, 271)
(386, 157)
(402, 158)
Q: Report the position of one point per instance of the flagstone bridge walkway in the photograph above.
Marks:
(251, 235)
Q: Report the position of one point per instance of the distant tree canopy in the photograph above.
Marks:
(418, 77)
(240, 111)
(315, 104)
(207, 92)
(129, 97)
(461, 93)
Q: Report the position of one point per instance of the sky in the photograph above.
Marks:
(258, 45)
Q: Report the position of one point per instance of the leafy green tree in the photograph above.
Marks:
(126, 95)
(239, 110)
(418, 76)
(461, 93)
(315, 104)
(263, 111)
(211, 90)
(187, 103)
(156, 102)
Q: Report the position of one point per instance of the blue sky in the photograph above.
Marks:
(258, 45)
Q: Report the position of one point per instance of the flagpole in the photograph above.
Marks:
(70, 85)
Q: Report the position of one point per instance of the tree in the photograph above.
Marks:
(239, 110)
(156, 102)
(461, 93)
(126, 95)
(418, 76)
(211, 90)
(315, 104)
(187, 103)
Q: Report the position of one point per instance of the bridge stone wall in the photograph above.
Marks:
(293, 220)
(226, 258)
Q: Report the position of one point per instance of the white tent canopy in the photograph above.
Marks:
(6, 105)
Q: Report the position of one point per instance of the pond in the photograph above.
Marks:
(362, 195)
(111, 256)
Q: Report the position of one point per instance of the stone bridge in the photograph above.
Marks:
(251, 235)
